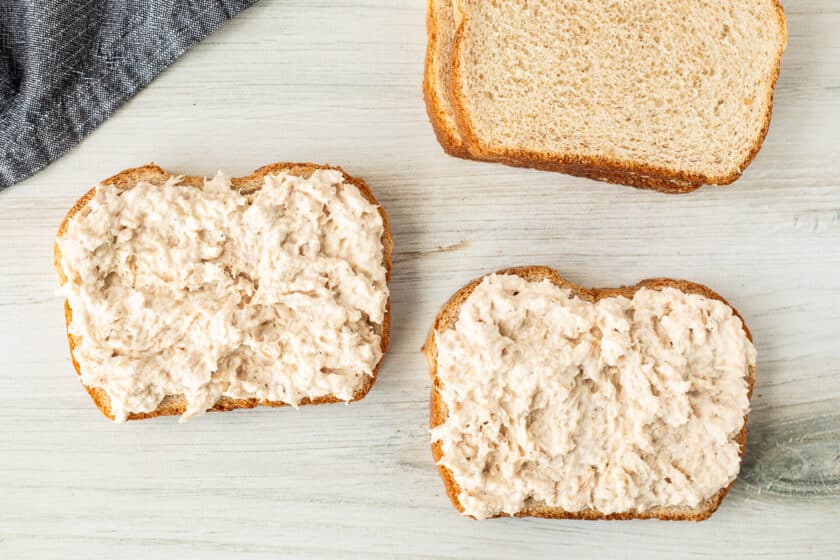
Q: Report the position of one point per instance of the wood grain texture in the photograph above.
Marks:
(338, 81)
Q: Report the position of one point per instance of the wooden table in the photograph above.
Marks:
(339, 81)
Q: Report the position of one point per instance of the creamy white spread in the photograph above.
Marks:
(277, 295)
(620, 405)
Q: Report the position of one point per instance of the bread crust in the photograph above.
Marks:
(607, 169)
(447, 137)
(448, 316)
(175, 405)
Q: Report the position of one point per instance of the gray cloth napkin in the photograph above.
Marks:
(66, 65)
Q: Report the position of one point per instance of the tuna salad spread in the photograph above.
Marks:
(618, 405)
(276, 295)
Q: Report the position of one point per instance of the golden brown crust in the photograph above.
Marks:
(445, 136)
(448, 316)
(603, 168)
(174, 405)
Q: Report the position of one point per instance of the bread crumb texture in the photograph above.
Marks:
(678, 90)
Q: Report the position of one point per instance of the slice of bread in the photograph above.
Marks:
(447, 318)
(442, 21)
(177, 404)
(666, 96)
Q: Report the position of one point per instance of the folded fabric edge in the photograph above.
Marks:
(35, 141)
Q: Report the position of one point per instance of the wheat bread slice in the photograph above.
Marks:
(442, 19)
(174, 405)
(447, 318)
(667, 96)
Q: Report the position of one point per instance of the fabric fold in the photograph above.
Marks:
(67, 65)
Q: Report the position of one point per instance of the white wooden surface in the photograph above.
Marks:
(339, 81)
